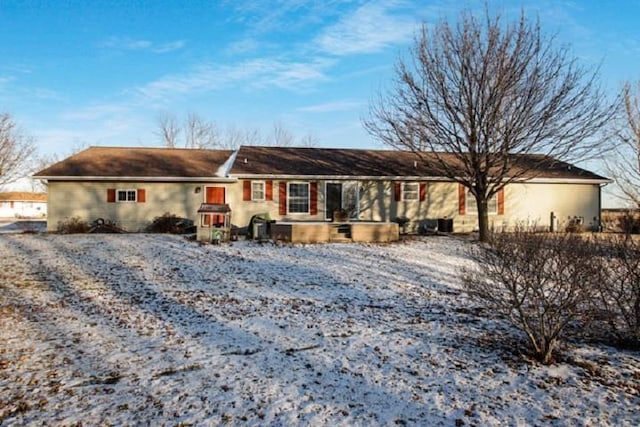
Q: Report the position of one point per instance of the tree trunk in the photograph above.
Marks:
(483, 219)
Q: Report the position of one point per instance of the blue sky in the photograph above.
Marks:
(96, 72)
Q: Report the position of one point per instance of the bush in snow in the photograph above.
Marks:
(73, 225)
(170, 223)
(539, 281)
(618, 291)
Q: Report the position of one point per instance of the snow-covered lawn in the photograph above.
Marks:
(153, 329)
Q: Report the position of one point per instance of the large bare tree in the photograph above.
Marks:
(168, 130)
(479, 93)
(624, 166)
(195, 132)
(16, 150)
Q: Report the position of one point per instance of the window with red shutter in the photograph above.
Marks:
(423, 191)
(246, 190)
(268, 190)
(314, 199)
(282, 198)
(462, 202)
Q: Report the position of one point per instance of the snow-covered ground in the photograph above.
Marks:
(156, 330)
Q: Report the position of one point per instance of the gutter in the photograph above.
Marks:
(138, 178)
(417, 178)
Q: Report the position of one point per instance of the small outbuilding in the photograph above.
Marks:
(214, 224)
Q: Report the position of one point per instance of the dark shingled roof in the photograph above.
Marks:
(279, 161)
(139, 162)
(294, 161)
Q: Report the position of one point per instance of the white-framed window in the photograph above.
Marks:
(472, 207)
(410, 191)
(257, 190)
(298, 200)
(126, 195)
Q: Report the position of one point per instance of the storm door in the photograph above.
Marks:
(333, 198)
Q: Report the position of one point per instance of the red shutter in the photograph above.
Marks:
(111, 195)
(501, 201)
(462, 192)
(246, 190)
(398, 191)
(282, 198)
(314, 199)
(142, 195)
(268, 190)
(423, 191)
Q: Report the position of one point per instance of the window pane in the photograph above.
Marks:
(131, 196)
(122, 196)
(257, 191)
(411, 191)
(472, 207)
(299, 198)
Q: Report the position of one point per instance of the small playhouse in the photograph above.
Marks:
(214, 224)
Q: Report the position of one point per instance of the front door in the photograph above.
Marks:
(214, 195)
(333, 199)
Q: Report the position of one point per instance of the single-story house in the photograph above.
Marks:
(23, 204)
(132, 186)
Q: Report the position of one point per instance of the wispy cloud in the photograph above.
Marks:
(258, 73)
(126, 43)
(370, 28)
(331, 107)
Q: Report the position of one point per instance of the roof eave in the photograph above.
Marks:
(138, 178)
(541, 180)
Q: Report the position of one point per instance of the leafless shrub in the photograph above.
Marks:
(170, 223)
(539, 281)
(618, 289)
(629, 223)
(73, 225)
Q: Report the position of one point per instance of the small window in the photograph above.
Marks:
(257, 190)
(472, 206)
(298, 198)
(127, 195)
(410, 191)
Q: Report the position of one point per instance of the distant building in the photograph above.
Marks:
(21, 204)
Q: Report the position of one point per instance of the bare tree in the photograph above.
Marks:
(282, 137)
(624, 166)
(309, 140)
(480, 93)
(16, 150)
(200, 133)
(196, 132)
(168, 130)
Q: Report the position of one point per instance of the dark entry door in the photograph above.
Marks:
(333, 199)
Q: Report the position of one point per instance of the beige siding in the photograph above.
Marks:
(377, 203)
(88, 201)
(523, 202)
(535, 202)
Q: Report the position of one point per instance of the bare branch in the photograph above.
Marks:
(168, 130)
(16, 150)
(624, 164)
